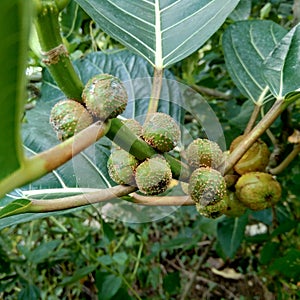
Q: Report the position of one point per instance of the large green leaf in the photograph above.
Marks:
(162, 31)
(230, 233)
(88, 169)
(281, 68)
(246, 44)
(14, 32)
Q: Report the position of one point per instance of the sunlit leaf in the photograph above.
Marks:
(161, 31)
(246, 44)
(281, 69)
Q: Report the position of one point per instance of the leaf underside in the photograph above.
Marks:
(281, 68)
(162, 31)
(246, 45)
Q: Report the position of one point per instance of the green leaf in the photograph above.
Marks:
(281, 68)
(16, 207)
(161, 31)
(242, 11)
(288, 265)
(246, 45)
(78, 275)
(43, 251)
(14, 24)
(269, 252)
(108, 285)
(230, 233)
(30, 291)
(171, 283)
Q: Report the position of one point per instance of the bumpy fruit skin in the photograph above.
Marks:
(235, 208)
(207, 186)
(258, 190)
(161, 132)
(134, 126)
(212, 211)
(204, 153)
(121, 167)
(255, 159)
(153, 176)
(68, 117)
(105, 96)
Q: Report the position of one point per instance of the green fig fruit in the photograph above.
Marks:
(235, 208)
(153, 176)
(68, 117)
(204, 153)
(121, 167)
(161, 132)
(134, 126)
(105, 96)
(258, 190)
(207, 186)
(212, 211)
(255, 159)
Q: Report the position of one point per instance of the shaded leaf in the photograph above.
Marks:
(242, 11)
(281, 70)
(161, 31)
(246, 45)
(78, 275)
(230, 234)
(14, 24)
(108, 285)
(288, 265)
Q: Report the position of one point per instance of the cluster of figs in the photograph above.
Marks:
(105, 97)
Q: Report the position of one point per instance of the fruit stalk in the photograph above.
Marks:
(156, 90)
(278, 107)
(55, 54)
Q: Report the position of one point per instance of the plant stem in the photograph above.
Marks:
(278, 107)
(45, 162)
(80, 200)
(155, 92)
(294, 153)
(162, 200)
(252, 119)
(56, 56)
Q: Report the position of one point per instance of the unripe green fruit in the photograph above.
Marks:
(212, 211)
(105, 96)
(68, 117)
(255, 159)
(235, 208)
(207, 186)
(153, 176)
(134, 126)
(257, 190)
(121, 167)
(204, 153)
(161, 132)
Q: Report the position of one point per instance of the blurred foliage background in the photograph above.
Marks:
(86, 256)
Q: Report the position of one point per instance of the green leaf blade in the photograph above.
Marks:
(230, 234)
(14, 208)
(246, 44)
(15, 24)
(161, 31)
(281, 70)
